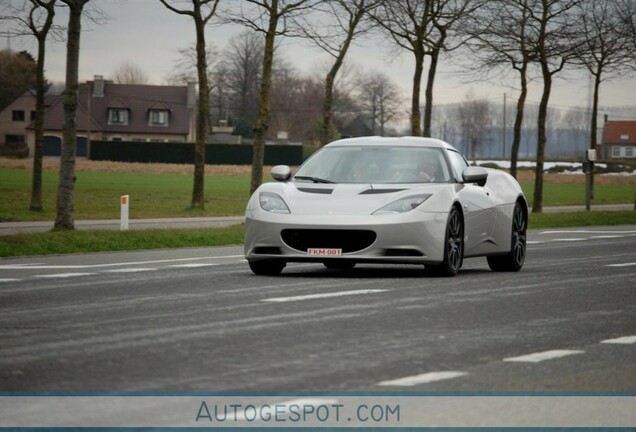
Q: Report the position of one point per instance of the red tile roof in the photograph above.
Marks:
(615, 131)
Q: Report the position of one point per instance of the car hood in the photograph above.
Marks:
(344, 199)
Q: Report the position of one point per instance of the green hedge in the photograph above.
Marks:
(183, 153)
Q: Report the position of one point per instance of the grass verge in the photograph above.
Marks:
(65, 242)
(59, 242)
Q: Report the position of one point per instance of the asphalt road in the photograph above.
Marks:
(198, 320)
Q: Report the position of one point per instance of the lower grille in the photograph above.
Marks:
(347, 240)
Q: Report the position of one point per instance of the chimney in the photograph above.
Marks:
(98, 86)
(192, 95)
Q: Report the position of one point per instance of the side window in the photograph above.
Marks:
(458, 163)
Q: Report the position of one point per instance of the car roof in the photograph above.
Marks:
(410, 141)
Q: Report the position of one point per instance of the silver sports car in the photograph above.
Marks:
(386, 200)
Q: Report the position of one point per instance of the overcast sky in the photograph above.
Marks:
(146, 34)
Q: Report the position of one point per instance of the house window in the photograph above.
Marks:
(616, 151)
(629, 152)
(158, 118)
(34, 115)
(14, 139)
(625, 137)
(18, 116)
(117, 116)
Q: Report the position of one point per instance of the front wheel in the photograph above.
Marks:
(453, 247)
(269, 267)
(513, 261)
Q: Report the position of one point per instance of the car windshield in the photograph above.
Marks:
(369, 164)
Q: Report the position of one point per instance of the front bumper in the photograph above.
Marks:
(415, 237)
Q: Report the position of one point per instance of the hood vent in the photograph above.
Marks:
(316, 190)
(380, 191)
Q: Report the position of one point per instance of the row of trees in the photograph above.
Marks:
(529, 37)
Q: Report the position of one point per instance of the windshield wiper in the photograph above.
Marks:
(313, 179)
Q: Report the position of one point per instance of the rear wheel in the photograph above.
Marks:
(513, 261)
(269, 267)
(339, 265)
(453, 247)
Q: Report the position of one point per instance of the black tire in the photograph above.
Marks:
(513, 261)
(453, 247)
(269, 267)
(339, 265)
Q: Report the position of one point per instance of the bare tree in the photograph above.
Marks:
(423, 28)
(64, 219)
(129, 73)
(381, 98)
(240, 71)
(36, 17)
(266, 16)
(201, 13)
(501, 40)
(606, 52)
(409, 23)
(474, 119)
(626, 10)
(332, 28)
(556, 40)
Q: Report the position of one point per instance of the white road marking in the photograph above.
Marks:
(621, 340)
(9, 280)
(534, 242)
(86, 266)
(130, 270)
(606, 236)
(194, 265)
(422, 378)
(542, 356)
(587, 232)
(567, 239)
(63, 275)
(323, 295)
(621, 265)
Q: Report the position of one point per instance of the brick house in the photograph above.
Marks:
(121, 112)
(14, 120)
(619, 139)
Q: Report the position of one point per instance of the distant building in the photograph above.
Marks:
(14, 120)
(121, 112)
(619, 139)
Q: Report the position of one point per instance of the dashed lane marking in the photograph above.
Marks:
(424, 378)
(323, 295)
(194, 265)
(621, 265)
(621, 340)
(542, 356)
(87, 266)
(9, 280)
(63, 275)
(130, 270)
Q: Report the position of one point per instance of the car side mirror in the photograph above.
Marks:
(281, 173)
(474, 174)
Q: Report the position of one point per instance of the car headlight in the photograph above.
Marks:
(272, 202)
(403, 205)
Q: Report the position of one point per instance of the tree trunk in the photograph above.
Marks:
(516, 140)
(65, 219)
(594, 125)
(262, 122)
(198, 198)
(325, 134)
(415, 98)
(36, 184)
(537, 205)
(428, 108)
